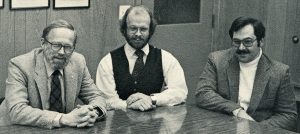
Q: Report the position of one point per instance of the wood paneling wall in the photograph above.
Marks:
(98, 30)
(97, 27)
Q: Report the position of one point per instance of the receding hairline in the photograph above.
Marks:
(139, 10)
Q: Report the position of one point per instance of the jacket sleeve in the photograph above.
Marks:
(89, 93)
(19, 108)
(285, 112)
(207, 95)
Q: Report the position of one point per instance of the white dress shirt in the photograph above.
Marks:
(247, 77)
(175, 91)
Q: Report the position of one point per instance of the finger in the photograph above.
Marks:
(83, 111)
(142, 106)
(148, 102)
(146, 105)
(83, 119)
(92, 120)
(133, 106)
(91, 108)
(82, 124)
(132, 99)
(90, 124)
(93, 114)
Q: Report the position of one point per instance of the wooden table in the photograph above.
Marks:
(177, 119)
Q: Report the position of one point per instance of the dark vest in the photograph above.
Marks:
(150, 80)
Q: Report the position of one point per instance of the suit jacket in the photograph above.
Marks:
(272, 100)
(26, 89)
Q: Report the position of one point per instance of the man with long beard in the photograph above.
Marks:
(43, 85)
(137, 75)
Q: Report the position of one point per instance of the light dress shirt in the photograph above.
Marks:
(247, 76)
(174, 90)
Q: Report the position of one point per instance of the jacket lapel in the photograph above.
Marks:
(40, 77)
(233, 73)
(260, 82)
(71, 81)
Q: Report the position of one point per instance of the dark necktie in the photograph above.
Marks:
(55, 95)
(139, 64)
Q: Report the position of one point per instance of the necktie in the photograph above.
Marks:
(139, 64)
(55, 95)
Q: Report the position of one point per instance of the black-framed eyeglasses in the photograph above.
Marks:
(57, 46)
(248, 42)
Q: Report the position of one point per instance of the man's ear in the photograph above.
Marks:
(42, 42)
(261, 42)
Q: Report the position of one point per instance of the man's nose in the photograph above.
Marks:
(138, 32)
(61, 50)
(242, 47)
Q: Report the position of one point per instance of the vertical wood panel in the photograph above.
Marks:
(7, 43)
(291, 55)
(20, 30)
(34, 25)
(275, 29)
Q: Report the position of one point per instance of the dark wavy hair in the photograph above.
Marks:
(123, 21)
(59, 24)
(259, 28)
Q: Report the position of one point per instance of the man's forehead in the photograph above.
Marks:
(60, 32)
(244, 32)
(138, 12)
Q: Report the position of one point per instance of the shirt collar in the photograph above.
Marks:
(130, 50)
(50, 70)
(254, 62)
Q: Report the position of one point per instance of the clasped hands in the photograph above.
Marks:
(82, 116)
(139, 101)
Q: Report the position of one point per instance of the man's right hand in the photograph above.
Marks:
(79, 117)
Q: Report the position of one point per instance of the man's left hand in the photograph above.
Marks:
(92, 113)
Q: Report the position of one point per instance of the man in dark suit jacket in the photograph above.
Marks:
(244, 82)
(43, 85)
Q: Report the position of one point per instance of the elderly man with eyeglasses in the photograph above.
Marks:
(244, 82)
(43, 85)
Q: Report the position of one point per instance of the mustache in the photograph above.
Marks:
(242, 51)
(137, 38)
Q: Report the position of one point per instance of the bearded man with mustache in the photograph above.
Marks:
(138, 75)
(244, 82)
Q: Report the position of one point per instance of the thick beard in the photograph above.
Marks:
(137, 46)
(54, 64)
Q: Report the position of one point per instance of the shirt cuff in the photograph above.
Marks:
(55, 122)
(101, 112)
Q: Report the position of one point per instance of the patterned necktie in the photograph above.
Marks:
(55, 95)
(139, 64)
